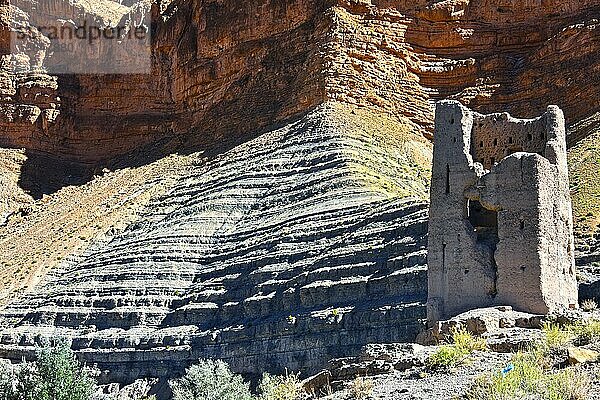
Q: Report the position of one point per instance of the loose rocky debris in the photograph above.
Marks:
(487, 320)
(400, 371)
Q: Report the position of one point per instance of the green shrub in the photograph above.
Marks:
(463, 346)
(210, 380)
(586, 332)
(19, 382)
(467, 342)
(556, 337)
(279, 387)
(581, 333)
(62, 377)
(445, 357)
(56, 375)
(532, 378)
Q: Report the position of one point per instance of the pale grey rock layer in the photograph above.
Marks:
(273, 255)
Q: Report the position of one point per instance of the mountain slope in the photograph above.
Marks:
(301, 245)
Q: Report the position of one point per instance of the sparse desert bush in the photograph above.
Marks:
(531, 378)
(463, 346)
(589, 305)
(467, 342)
(361, 388)
(210, 380)
(56, 375)
(586, 332)
(524, 378)
(446, 356)
(568, 384)
(280, 387)
(556, 337)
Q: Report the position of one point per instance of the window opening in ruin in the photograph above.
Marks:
(447, 179)
(493, 161)
(481, 144)
(484, 221)
(522, 225)
(444, 257)
(530, 137)
(495, 142)
(510, 140)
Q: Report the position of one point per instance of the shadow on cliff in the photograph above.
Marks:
(44, 174)
(589, 291)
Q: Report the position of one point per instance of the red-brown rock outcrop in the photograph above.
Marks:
(221, 68)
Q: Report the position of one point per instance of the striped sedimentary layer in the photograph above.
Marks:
(299, 246)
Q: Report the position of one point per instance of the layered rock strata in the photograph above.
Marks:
(294, 248)
(224, 67)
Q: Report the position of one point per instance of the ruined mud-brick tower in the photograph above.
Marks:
(501, 225)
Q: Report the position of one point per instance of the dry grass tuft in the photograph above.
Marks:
(361, 388)
(589, 305)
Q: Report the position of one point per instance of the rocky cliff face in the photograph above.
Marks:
(290, 227)
(225, 67)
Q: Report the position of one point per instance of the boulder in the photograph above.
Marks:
(316, 384)
(578, 355)
(486, 320)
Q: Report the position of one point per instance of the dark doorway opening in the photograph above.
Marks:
(484, 221)
(485, 226)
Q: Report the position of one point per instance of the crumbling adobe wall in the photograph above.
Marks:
(501, 232)
(498, 135)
